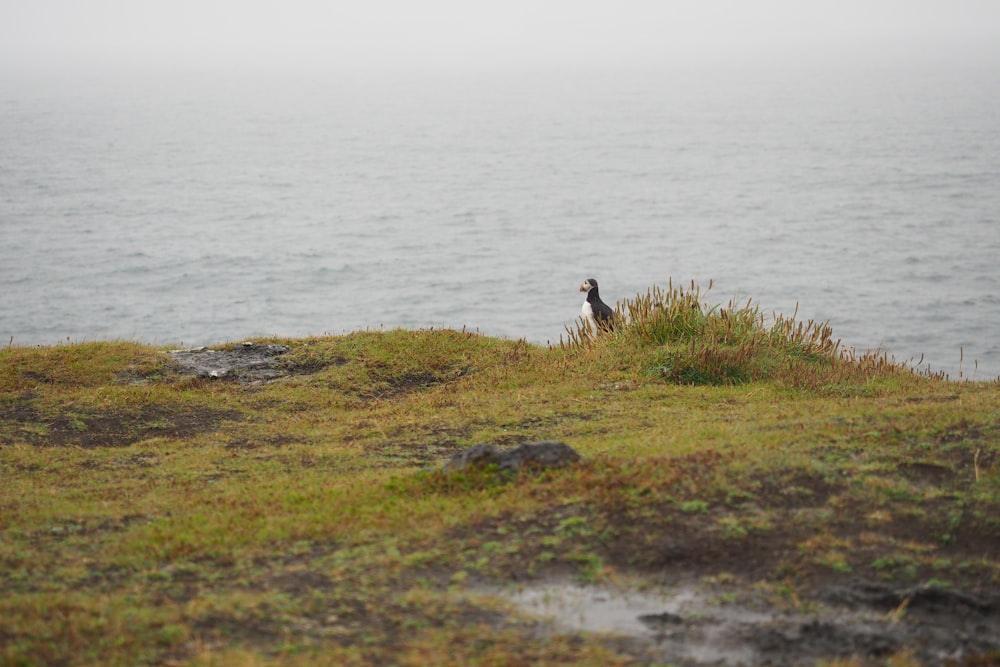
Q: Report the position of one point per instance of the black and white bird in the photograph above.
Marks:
(596, 313)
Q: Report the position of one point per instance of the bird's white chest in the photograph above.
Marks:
(588, 313)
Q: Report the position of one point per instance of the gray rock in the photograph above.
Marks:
(529, 455)
(243, 361)
(477, 456)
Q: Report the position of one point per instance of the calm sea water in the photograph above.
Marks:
(190, 211)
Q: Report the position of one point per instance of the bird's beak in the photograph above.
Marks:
(583, 287)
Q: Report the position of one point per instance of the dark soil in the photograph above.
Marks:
(23, 422)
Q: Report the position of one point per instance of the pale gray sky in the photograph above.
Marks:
(355, 34)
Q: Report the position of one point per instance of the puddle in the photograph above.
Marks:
(681, 623)
(594, 609)
(692, 625)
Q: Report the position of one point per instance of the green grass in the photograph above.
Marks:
(152, 518)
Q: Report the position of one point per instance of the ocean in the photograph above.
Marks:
(192, 210)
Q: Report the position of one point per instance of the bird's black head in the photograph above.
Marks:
(588, 284)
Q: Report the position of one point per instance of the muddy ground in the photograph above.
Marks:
(695, 624)
(673, 588)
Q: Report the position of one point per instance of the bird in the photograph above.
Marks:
(596, 313)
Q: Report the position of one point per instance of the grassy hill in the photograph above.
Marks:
(150, 516)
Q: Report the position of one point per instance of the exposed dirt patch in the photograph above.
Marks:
(269, 442)
(134, 462)
(928, 474)
(254, 627)
(422, 445)
(956, 456)
(305, 606)
(529, 428)
(299, 581)
(798, 491)
(405, 454)
(929, 399)
(18, 408)
(117, 428)
(965, 430)
(385, 384)
(403, 384)
(91, 528)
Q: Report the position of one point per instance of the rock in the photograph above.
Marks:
(477, 456)
(245, 362)
(529, 455)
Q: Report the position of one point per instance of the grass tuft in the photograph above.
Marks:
(673, 334)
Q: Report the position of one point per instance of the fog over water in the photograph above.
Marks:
(437, 35)
(191, 173)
